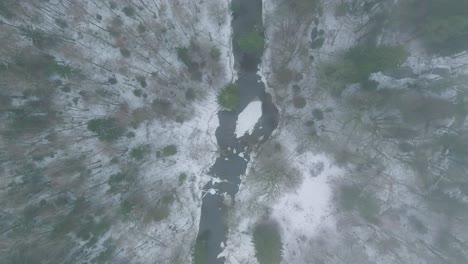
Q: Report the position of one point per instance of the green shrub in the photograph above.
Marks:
(71, 221)
(302, 7)
(115, 27)
(40, 66)
(190, 94)
(267, 242)
(106, 129)
(348, 197)
(162, 210)
(352, 198)
(182, 178)
(296, 89)
(284, 75)
(90, 228)
(66, 88)
(129, 11)
(317, 114)
(141, 29)
(107, 253)
(142, 81)
(5, 11)
(215, 54)
(122, 181)
(341, 9)
(112, 80)
(457, 144)
(369, 60)
(447, 35)
(369, 208)
(369, 85)
(39, 38)
(158, 213)
(162, 107)
(252, 43)
(229, 97)
(130, 134)
(125, 52)
(64, 71)
(195, 73)
(34, 117)
(184, 56)
(273, 174)
(166, 199)
(317, 43)
(29, 123)
(441, 25)
(137, 92)
(299, 101)
(61, 23)
(34, 179)
(118, 182)
(417, 224)
(169, 150)
(139, 152)
(416, 110)
(357, 64)
(63, 227)
(30, 214)
(112, 5)
(126, 207)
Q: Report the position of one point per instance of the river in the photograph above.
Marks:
(229, 166)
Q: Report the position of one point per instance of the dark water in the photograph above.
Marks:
(212, 230)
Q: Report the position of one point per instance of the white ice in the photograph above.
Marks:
(248, 118)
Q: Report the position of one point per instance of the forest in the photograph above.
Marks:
(105, 127)
(380, 88)
(108, 125)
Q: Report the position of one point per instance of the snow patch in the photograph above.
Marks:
(303, 213)
(248, 118)
(240, 248)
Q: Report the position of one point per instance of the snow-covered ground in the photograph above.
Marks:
(291, 211)
(96, 53)
(197, 150)
(302, 213)
(306, 212)
(239, 247)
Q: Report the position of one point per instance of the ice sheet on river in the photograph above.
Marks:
(248, 118)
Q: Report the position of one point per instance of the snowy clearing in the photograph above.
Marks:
(303, 213)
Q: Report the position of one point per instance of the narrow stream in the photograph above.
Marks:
(230, 166)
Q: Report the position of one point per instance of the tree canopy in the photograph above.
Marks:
(441, 24)
(106, 129)
(359, 62)
(229, 97)
(267, 241)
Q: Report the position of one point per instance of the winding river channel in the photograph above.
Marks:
(231, 164)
